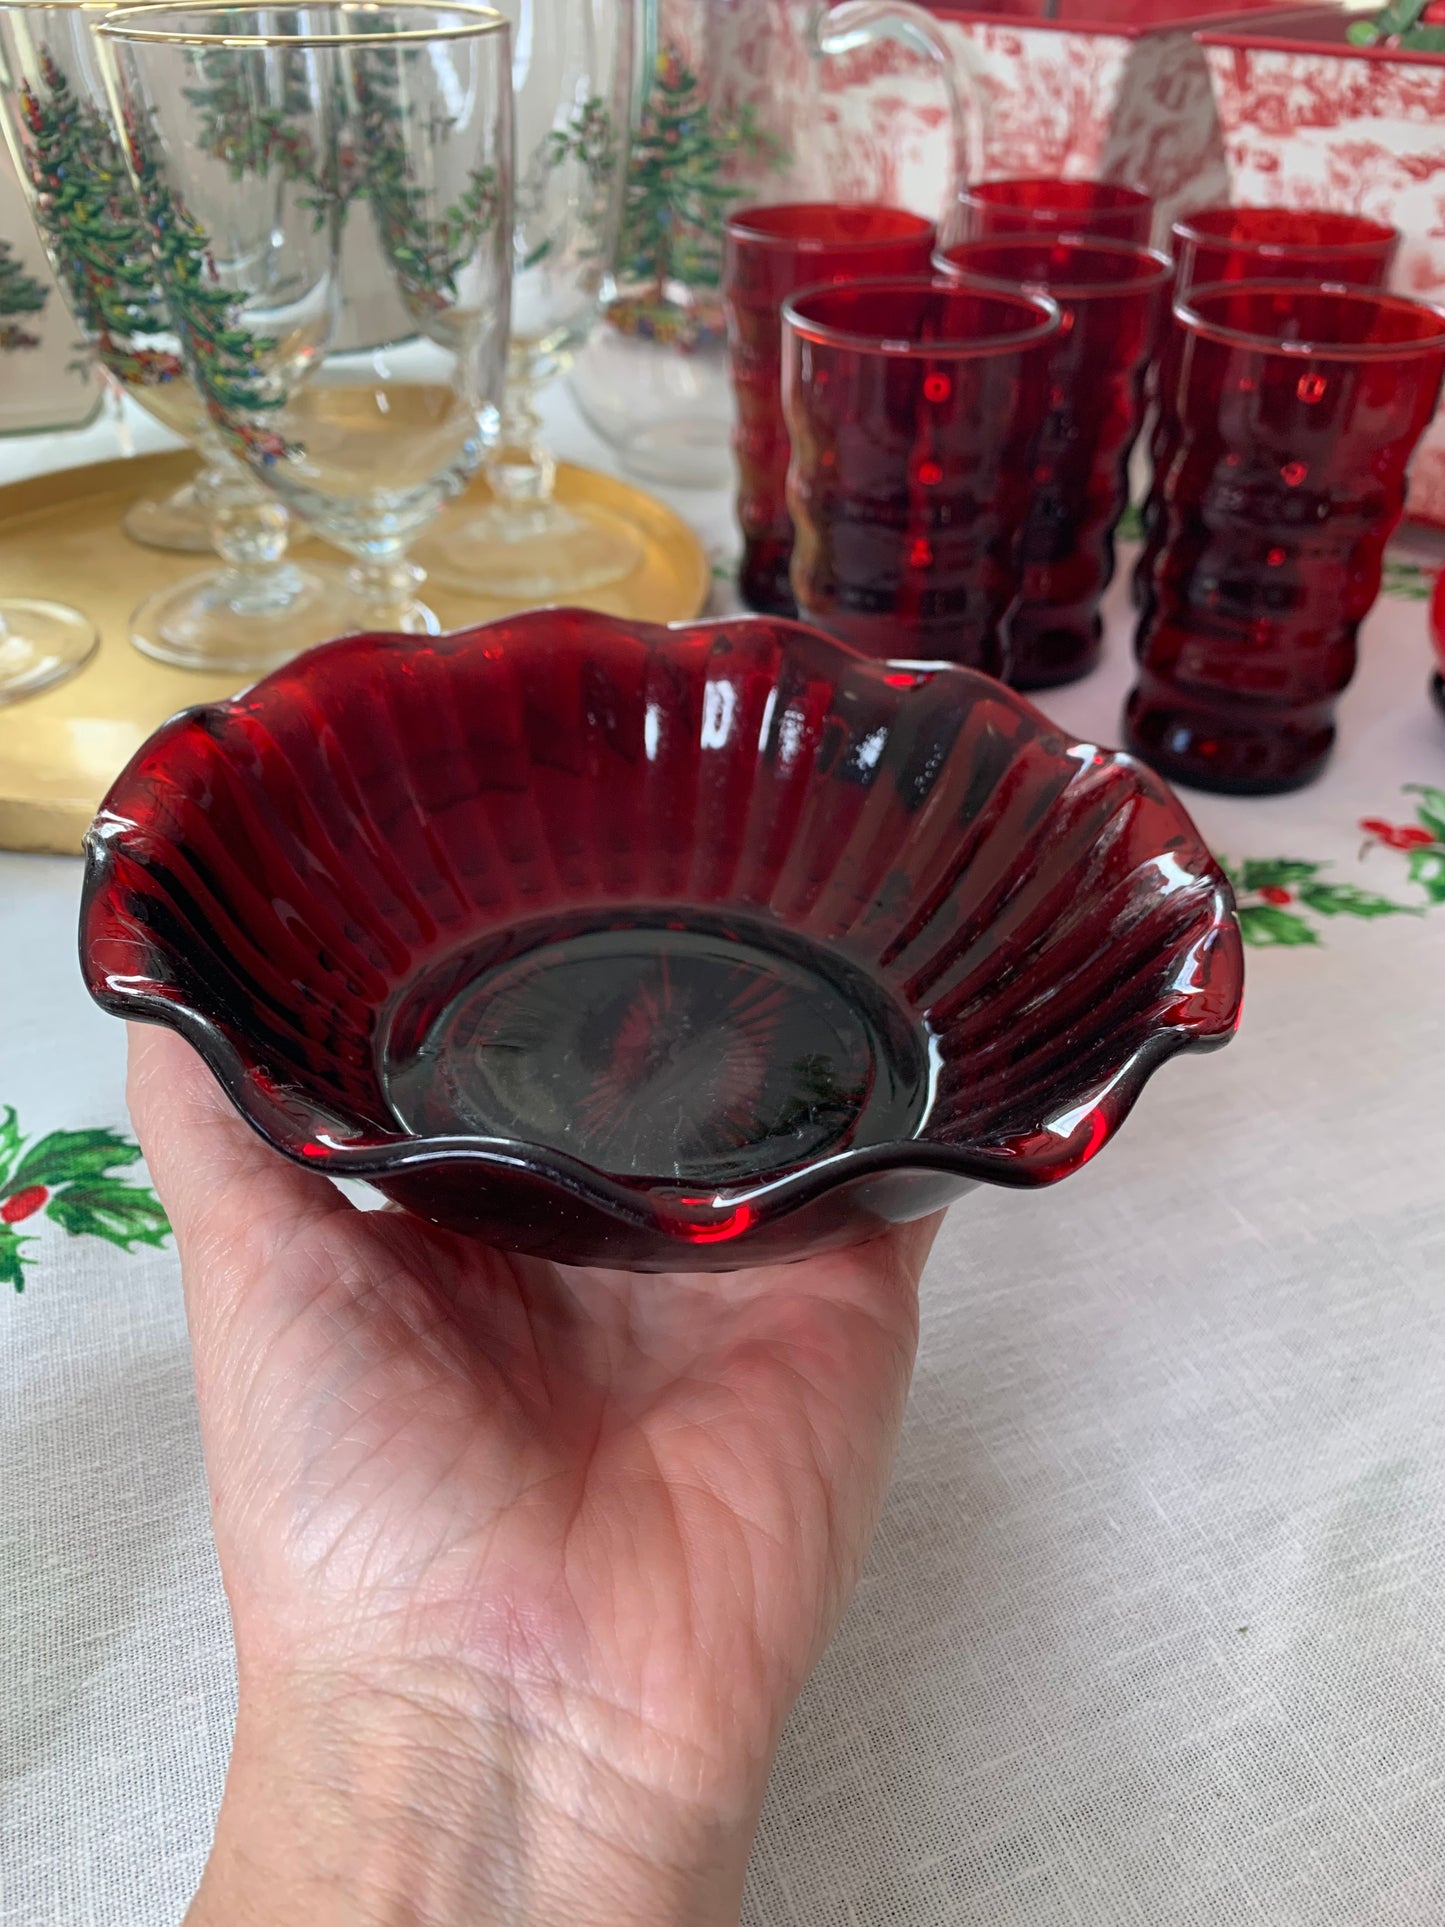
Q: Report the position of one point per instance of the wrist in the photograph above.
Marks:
(436, 1800)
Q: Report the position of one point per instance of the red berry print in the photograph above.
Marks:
(23, 1204)
(1397, 836)
(1272, 893)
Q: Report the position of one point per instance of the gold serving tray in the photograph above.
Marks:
(60, 538)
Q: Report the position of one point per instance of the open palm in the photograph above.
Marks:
(639, 1502)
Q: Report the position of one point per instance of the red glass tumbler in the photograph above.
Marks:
(769, 254)
(1046, 204)
(1112, 300)
(1257, 244)
(1281, 244)
(913, 408)
(1298, 408)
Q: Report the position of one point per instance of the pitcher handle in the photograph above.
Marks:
(851, 24)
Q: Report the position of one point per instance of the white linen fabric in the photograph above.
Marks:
(1153, 1627)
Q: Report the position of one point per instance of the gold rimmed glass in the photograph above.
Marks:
(572, 74)
(260, 607)
(255, 136)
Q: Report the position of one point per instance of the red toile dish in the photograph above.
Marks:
(657, 948)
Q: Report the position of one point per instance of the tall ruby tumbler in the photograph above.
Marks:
(913, 407)
(1281, 244)
(1298, 408)
(1042, 204)
(1112, 300)
(1258, 244)
(769, 254)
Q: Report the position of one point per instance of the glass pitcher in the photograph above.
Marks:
(725, 91)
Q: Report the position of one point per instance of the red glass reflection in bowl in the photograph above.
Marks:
(657, 948)
(1437, 631)
(769, 253)
(1049, 204)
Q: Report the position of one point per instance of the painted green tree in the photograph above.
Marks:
(252, 135)
(20, 294)
(226, 358)
(92, 229)
(426, 252)
(677, 189)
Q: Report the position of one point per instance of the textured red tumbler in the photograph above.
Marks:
(913, 408)
(1257, 244)
(1047, 204)
(1112, 299)
(1298, 409)
(769, 254)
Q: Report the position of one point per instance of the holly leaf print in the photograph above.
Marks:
(1430, 809)
(122, 1214)
(70, 1176)
(12, 1270)
(1427, 868)
(1262, 925)
(10, 1141)
(1273, 873)
(1349, 900)
(67, 1155)
(1406, 581)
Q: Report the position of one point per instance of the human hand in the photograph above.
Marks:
(526, 1564)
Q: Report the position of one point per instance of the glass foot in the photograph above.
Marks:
(227, 623)
(41, 643)
(545, 553)
(412, 619)
(178, 524)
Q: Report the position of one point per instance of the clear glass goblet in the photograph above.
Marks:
(572, 78)
(260, 608)
(41, 643)
(254, 135)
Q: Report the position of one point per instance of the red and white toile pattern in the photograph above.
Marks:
(1127, 107)
(1326, 127)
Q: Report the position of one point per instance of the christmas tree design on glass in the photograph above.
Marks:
(20, 295)
(243, 132)
(69, 1178)
(86, 213)
(225, 357)
(678, 195)
(425, 255)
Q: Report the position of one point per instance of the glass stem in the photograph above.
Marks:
(249, 531)
(386, 585)
(113, 407)
(521, 470)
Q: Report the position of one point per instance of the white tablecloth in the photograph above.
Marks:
(1153, 1628)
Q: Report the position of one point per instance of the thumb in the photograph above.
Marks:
(220, 1184)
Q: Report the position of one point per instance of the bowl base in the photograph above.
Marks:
(657, 1050)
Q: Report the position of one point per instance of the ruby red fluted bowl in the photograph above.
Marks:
(659, 948)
